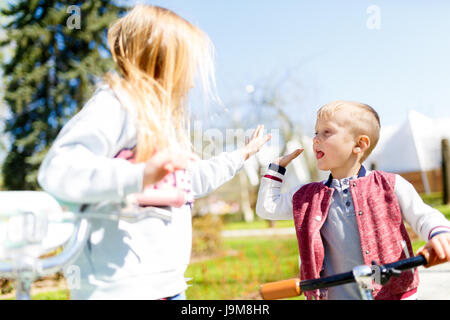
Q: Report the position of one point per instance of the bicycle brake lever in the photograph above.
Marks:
(384, 275)
(395, 272)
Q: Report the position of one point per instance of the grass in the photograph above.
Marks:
(256, 261)
(48, 295)
(257, 224)
(445, 209)
(433, 199)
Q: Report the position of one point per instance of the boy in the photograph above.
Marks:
(356, 216)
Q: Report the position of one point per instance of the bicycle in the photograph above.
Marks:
(363, 275)
(33, 223)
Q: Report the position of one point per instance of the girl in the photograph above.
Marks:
(142, 111)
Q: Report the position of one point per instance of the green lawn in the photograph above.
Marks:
(50, 295)
(258, 224)
(255, 261)
(445, 209)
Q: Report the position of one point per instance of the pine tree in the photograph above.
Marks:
(59, 52)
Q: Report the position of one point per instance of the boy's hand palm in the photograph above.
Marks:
(285, 160)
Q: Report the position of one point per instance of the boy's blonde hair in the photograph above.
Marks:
(363, 119)
(158, 55)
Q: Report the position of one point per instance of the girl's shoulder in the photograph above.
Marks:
(103, 104)
(104, 95)
(103, 114)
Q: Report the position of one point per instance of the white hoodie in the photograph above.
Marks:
(123, 260)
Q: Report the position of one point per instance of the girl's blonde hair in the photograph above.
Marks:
(159, 55)
(362, 119)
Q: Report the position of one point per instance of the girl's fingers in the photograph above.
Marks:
(193, 157)
(169, 167)
(257, 132)
(264, 140)
(254, 133)
(261, 131)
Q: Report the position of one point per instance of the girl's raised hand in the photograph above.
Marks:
(257, 140)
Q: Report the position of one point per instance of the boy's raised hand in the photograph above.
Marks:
(285, 160)
(257, 140)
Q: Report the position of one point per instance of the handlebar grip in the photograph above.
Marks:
(167, 197)
(280, 289)
(431, 257)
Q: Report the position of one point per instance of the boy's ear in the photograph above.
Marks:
(362, 144)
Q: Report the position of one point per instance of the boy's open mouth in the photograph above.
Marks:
(319, 155)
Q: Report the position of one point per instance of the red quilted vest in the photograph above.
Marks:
(380, 224)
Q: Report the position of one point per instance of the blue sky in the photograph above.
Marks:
(401, 66)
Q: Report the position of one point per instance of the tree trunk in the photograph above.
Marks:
(446, 170)
(245, 198)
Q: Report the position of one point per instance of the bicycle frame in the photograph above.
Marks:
(26, 270)
(25, 267)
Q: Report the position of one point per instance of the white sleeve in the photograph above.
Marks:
(271, 203)
(80, 167)
(208, 175)
(424, 219)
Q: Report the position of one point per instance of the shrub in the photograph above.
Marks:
(206, 234)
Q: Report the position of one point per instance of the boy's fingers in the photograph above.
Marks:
(438, 248)
(446, 246)
(284, 161)
(430, 255)
(295, 154)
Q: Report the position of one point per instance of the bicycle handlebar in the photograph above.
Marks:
(348, 277)
(294, 287)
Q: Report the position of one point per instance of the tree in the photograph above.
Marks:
(59, 53)
(275, 97)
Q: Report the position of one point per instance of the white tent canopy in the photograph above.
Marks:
(414, 146)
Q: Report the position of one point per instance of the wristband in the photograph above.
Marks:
(438, 232)
(277, 168)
